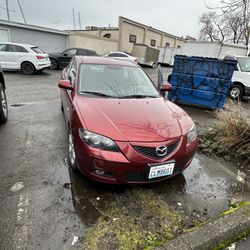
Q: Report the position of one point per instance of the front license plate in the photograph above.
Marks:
(161, 170)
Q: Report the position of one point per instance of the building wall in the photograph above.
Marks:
(47, 41)
(127, 29)
(151, 35)
(144, 34)
(100, 44)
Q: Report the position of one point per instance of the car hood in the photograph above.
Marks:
(144, 120)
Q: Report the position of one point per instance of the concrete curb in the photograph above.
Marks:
(211, 234)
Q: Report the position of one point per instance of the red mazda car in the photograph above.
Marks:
(120, 128)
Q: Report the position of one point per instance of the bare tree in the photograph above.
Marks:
(213, 28)
(230, 21)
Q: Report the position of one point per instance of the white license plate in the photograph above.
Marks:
(161, 170)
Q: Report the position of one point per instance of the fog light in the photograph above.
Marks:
(99, 171)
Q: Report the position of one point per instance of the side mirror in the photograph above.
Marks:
(165, 87)
(65, 84)
(65, 54)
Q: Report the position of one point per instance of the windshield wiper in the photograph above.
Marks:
(138, 96)
(95, 93)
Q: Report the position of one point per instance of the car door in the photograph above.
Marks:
(3, 50)
(14, 56)
(68, 95)
(65, 57)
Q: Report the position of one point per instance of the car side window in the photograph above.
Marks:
(16, 48)
(82, 52)
(72, 73)
(3, 47)
(69, 52)
(121, 55)
(112, 55)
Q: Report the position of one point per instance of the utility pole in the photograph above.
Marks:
(80, 22)
(7, 9)
(21, 11)
(74, 21)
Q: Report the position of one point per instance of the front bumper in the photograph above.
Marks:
(129, 166)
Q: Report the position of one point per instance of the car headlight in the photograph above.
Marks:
(98, 141)
(192, 133)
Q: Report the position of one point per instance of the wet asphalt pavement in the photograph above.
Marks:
(55, 204)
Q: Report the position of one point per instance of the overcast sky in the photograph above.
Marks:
(178, 17)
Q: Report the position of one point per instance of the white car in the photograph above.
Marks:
(121, 56)
(25, 57)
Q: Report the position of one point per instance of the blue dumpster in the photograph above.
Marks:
(201, 81)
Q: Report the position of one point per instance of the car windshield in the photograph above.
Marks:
(244, 64)
(115, 81)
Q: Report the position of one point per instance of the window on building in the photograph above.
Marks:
(167, 44)
(108, 35)
(132, 38)
(153, 42)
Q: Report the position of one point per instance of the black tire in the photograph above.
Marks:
(236, 92)
(54, 64)
(71, 152)
(28, 68)
(3, 106)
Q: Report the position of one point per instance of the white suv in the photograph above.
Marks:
(25, 57)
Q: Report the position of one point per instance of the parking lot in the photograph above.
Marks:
(54, 204)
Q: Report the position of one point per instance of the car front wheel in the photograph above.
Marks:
(236, 92)
(28, 68)
(71, 152)
(3, 105)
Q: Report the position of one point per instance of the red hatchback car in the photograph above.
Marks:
(120, 128)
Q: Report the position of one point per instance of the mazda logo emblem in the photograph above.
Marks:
(161, 150)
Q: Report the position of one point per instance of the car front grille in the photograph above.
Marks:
(151, 151)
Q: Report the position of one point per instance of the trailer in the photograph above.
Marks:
(212, 49)
(145, 54)
(204, 49)
(166, 56)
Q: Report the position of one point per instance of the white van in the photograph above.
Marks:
(241, 77)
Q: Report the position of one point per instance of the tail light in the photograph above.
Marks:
(40, 57)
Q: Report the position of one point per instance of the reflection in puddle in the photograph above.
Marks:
(204, 190)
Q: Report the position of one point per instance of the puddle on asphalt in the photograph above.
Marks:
(204, 190)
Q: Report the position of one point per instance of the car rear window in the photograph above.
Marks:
(37, 50)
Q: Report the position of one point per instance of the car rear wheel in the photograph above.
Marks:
(3, 105)
(28, 68)
(54, 64)
(71, 152)
(236, 92)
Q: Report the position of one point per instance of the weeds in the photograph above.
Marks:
(231, 139)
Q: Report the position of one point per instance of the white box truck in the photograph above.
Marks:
(145, 54)
(241, 76)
